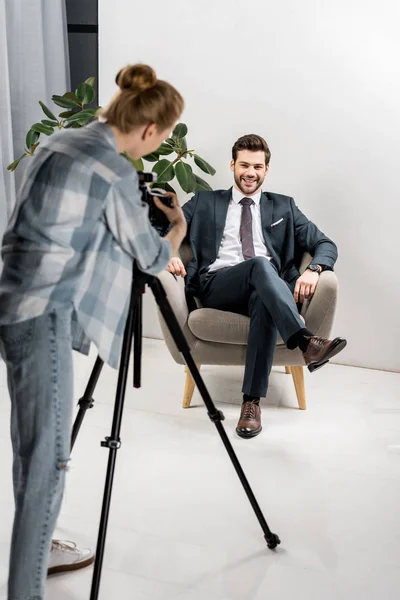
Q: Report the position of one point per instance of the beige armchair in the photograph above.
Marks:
(217, 337)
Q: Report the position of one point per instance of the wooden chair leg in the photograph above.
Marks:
(189, 389)
(288, 370)
(298, 380)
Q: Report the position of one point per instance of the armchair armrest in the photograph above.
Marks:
(320, 311)
(175, 289)
(305, 261)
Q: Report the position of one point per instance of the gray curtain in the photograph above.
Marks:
(33, 66)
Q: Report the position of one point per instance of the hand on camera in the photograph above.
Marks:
(174, 215)
(176, 267)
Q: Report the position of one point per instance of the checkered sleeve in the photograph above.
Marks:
(127, 217)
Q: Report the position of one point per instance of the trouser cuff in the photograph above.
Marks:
(293, 341)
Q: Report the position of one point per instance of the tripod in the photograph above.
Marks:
(133, 330)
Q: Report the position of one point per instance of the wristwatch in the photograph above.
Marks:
(315, 268)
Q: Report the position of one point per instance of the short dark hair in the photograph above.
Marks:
(251, 142)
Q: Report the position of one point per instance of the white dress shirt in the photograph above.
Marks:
(230, 250)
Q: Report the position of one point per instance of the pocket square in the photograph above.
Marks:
(277, 222)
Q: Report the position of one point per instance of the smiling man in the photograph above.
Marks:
(245, 243)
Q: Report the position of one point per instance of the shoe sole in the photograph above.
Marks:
(72, 567)
(338, 347)
(246, 436)
(315, 366)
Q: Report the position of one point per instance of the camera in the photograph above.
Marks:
(157, 218)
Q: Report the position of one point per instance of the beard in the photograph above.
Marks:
(248, 188)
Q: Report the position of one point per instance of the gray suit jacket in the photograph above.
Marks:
(286, 241)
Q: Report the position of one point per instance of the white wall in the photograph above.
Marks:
(320, 80)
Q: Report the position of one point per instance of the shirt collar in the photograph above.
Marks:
(104, 131)
(237, 196)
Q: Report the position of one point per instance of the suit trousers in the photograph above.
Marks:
(254, 288)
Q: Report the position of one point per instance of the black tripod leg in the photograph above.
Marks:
(87, 399)
(215, 415)
(113, 442)
(137, 343)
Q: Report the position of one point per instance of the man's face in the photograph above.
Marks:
(249, 171)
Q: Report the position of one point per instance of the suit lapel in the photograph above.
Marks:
(267, 209)
(221, 205)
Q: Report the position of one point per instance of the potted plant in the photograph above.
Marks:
(77, 113)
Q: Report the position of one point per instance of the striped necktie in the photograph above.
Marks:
(246, 229)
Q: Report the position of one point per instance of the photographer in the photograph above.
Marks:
(77, 226)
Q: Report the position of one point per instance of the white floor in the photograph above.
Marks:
(327, 479)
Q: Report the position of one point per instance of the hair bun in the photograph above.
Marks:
(136, 78)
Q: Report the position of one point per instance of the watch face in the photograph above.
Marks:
(314, 268)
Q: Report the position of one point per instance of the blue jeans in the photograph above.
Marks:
(38, 356)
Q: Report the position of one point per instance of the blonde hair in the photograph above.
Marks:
(142, 99)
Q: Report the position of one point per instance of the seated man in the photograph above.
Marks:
(245, 243)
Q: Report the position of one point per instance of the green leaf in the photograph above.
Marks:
(165, 171)
(85, 93)
(153, 157)
(165, 149)
(173, 144)
(88, 113)
(31, 138)
(164, 186)
(90, 81)
(49, 123)
(47, 112)
(92, 111)
(71, 96)
(33, 148)
(67, 114)
(185, 176)
(201, 185)
(77, 124)
(64, 102)
(40, 128)
(136, 164)
(180, 131)
(203, 165)
(15, 164)
(183, 144)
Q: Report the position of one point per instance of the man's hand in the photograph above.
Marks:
(176, 267)
(306, 286)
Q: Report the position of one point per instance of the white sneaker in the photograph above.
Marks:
(65, 556)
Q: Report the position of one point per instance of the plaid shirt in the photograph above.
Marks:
(77, 225)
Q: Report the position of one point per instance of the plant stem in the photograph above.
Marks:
(181, 155)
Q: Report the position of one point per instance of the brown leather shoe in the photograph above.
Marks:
(249, 424)
(321, 350)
